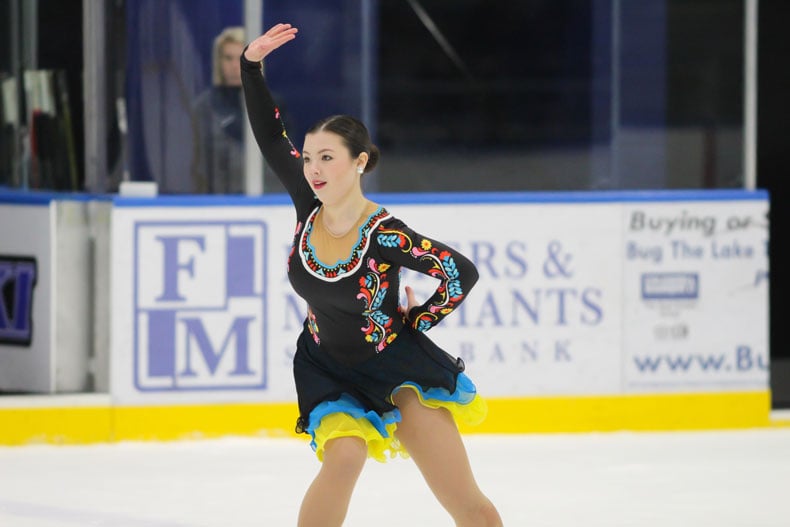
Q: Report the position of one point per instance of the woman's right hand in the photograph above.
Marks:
(269, 41)
(411, 301)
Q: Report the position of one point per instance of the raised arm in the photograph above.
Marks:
(267, 126)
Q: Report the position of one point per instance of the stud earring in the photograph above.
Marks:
(360, 170)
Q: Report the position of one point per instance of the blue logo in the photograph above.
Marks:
(670, 286)
(199, 305)
(18, 277)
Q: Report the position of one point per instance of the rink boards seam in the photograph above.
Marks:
(72, 420)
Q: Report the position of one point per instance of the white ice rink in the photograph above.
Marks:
(722, 479)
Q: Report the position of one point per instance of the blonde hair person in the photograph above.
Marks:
(218, 121)
(369, 382)
(225, 57)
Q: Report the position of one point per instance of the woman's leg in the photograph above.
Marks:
(326, 502)
(433, 441)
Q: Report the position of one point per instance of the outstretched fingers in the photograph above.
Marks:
(275, 37)
(282, 32)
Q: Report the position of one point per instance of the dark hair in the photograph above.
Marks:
(354, 135)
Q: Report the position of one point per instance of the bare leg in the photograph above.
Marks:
(433, 441)
(326, 501)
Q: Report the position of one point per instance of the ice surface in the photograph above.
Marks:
(722, 479)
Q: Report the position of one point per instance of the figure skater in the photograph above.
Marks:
(369, 382)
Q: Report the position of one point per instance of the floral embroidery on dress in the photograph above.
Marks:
(344, 267)
(443, 268)
(293, 246)
(294, 152)
(373, 288)
(312, 325)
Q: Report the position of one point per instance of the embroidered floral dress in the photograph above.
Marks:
(358, 347)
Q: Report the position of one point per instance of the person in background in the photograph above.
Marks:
(218, 121)
(369, 382)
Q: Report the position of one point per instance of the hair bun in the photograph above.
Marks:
(373, 158)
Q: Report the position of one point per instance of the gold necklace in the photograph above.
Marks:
(333, 234)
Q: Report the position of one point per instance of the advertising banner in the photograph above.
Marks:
(695, 296)
(201, 307)
(545, 316)
(577, 296)
(26, 354)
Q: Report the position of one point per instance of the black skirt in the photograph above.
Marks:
(411, 357)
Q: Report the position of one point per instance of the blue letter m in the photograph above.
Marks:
(197, 332)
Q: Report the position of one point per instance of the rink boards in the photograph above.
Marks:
(90, 419)
(594, 311)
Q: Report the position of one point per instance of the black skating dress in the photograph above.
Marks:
(357, 347)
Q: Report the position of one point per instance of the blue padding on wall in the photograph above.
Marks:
(27, 197)
(446, 198)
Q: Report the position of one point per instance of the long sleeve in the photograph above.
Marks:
(456, 273)
(269, 131)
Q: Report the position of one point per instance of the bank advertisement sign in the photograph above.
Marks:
(198, 312)
(545, 316)
(199, 298)
(575, 297)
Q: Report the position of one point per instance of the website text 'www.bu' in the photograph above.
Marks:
(742, 359)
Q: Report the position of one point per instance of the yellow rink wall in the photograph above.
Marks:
(75, 420)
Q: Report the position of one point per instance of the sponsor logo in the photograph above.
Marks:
(18, 277)
(670, 286)
(199, 305)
